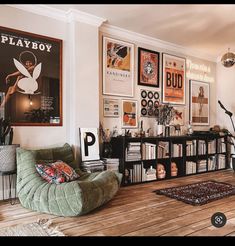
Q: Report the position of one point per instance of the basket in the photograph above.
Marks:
(8, 157)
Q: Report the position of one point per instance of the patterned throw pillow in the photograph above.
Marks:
(50, 174)
(66, 170)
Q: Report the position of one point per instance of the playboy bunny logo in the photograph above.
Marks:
(28, 84)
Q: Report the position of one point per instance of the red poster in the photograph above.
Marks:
(148, 67)
(173, 79)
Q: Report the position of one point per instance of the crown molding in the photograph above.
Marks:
(76, 15)
(80, 16)
(43, 10)
(137, 37)
(65, 16)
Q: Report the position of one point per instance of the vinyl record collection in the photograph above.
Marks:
(149, 102)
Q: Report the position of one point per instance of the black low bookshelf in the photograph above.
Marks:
(145, 159)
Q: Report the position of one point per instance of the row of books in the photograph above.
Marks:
(148, 151)
(201, 147)
(191, 147)
(135, 151)
(215, 162)
(221, 145)
(134, 175)
(191, 167)
(212, 146)
(177, 150)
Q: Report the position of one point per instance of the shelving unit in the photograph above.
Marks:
(188, 154)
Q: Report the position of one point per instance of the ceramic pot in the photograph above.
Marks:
(8, 157)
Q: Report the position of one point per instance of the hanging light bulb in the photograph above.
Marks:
(228, 59)
(30, 100)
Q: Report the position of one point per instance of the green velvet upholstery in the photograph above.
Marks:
(74, 198)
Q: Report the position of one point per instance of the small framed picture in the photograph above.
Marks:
(148, 67)
(129, 114)
(173, 79)
(199, 103)
(111, 107)
(179, 116)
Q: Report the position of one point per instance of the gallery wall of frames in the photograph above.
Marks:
(137, 79)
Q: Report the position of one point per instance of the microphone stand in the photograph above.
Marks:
(230, 114)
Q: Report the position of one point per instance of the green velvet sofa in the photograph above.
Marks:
(74, 198)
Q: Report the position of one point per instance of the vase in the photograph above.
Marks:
(158, 129)
(107, 150)
(167, 131)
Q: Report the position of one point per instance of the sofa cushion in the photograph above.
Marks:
(56, 172)
(50, 174)
(68, 172)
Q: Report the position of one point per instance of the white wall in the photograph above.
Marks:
(225, 88)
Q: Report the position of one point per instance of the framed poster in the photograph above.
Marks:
(31, 78)
(179, 116)
(199, 103)
(173, 80)
(148, 67)
(111, 107)
(129, 114)
(118, 67)
(89, 144)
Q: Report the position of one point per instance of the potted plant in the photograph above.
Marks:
(164, 114)
(7, 149)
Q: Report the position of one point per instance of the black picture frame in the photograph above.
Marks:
(31, 78)
(148, 67)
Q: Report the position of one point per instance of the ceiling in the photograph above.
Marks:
(208, 28)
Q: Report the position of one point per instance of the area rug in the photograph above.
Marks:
(41, 228)
(199, 193)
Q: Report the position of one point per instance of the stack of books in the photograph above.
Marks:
(133, 151)
(92, 166)
(111, 164)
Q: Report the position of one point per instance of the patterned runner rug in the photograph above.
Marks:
(40, 228)
(199, 193)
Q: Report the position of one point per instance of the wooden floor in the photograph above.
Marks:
(137, 211)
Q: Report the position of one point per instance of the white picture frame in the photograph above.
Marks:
(118, 67)
(179, 116)
(129, 115)
(111, 107)
(199, 103)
